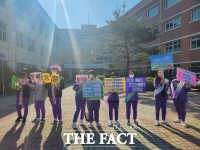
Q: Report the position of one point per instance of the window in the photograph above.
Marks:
(18, 12)
(195, 42)
(173, 47)
(153, 12)
(170, 3)
(195, 14)
(195, 67)
(148, 70)
(3, 3)
(31, 45)
(173, 71)
(2, 31)
(19, 39)
(88, 51)
(173, 23)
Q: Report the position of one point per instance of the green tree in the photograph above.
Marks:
(125, 43)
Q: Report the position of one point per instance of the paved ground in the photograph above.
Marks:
(35, 136)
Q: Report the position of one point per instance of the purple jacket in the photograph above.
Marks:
(157, 85)
(76, 88)
(113, 97)
(183, 95)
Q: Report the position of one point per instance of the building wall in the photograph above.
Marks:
(41, 42)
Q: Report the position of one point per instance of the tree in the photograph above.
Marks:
(125, 44)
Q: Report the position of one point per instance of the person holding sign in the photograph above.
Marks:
(39, 97)
(131, 99)
(161, 96)
(23, 96)
(179, 94)
(55, 94)
(80, 101)
(113, 103)
(93, 104)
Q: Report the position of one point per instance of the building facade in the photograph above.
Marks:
(28, 37)
(179, 24)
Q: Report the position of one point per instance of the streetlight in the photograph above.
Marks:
(2, 55)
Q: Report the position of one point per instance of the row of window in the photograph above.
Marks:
(175, 46)
(20, 42)
(174, 22)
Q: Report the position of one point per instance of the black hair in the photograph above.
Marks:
(92, 72)
(54, 69)
(157, 78)
(131, 71)
(24, 70)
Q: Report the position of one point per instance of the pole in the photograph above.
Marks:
(2, 77)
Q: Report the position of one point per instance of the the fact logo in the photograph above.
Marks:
(104, 138)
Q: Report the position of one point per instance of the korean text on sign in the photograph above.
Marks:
(136, 84)
(92, 90)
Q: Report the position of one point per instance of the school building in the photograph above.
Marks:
(179, 23)
(28, 36)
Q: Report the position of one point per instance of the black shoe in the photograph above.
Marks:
(128, 123)
(24, 120)
(18, 119)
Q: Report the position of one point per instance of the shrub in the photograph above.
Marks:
(149, 78)
(149, 85)
(101, 77)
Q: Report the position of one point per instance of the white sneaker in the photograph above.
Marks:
(81, 123)
(157, 123)
(177, 121)
(98, 124)
(89, 125)
(74, 125)
(184, 124)
(110, 123)
(117, 123)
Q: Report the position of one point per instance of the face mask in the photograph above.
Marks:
(160, 75)
(131, 76)
(90, 76)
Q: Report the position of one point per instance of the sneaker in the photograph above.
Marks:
(42, 121)
(36, 120)
(135, 122)
(157, 123)
(98, 124)
(184, 124)
(60, 122)
(165, 123)
(54, 122)
(18, 119)
(23, 120)
(81, 123)
(117, 123)
(110, 123)
(74, 125)
(177, 121)
(128, 123)
(89, 125)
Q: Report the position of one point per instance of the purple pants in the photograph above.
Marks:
(180, 109)
(134, 104)
(115, 106)
(39, 106)
(93, 106)
(19, 107)
(161, 103)
(80, 106)
(57, 111)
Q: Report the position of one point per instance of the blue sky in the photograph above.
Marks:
(77, 11)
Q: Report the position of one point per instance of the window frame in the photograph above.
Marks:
(173, 44)
(197, 8)
(152, 9)
(172, 4)
(198, 38)
(173, 21)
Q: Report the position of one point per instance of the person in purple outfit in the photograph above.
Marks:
(93, 104)
(40, 94)
(131, 99)
(23, 96)
(80, 102)
(179, 94)
(161, 97)
(113, 103)
(55, 95)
